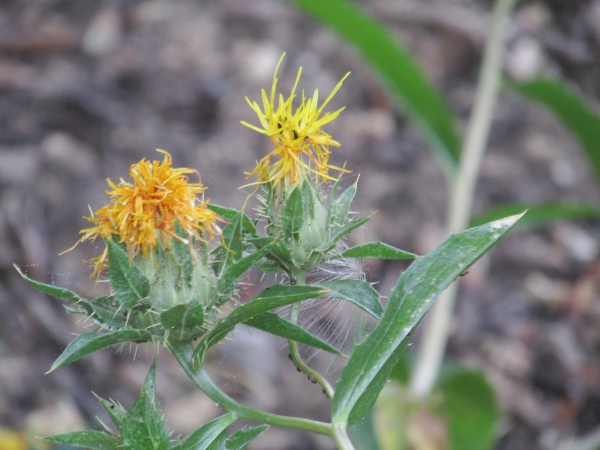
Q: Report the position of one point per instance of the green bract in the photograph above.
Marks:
(304, 226)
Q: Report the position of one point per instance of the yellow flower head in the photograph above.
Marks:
(300, 143)
(145, 212)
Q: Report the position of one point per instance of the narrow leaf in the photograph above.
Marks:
(204, 436)
(231, 249)
(351, 225)
(228, 279)
(240, 439)
(230, 214)
(143, 425)
(271, 297)
(54, 291)
(571, 108)
(130, 286)
(358, 292)
(539, 215)
(292, 216)
(107, 313)
(417, 289)
(90, 439)
(277, 325)
(87, 343)
(340, 207)
(220, 443)
(377, 250)
(396, 67)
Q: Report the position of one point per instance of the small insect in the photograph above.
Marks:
(464, 273)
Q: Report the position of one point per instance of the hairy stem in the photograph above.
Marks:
(433, 346)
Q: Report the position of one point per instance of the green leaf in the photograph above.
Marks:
(364, 434)
(232, 248)
(407, 81)
(143, 425)
(350, 226)
(184, 321)
(269, 298)
(228, 279)
(277, 325)
(240, 439)
(571, 108)
(340, 207)
(377, 250)
(204, 436)
(367, 399)
(115, 411)
(90, 439)
(129, 284)
(220, 443)
(470, 409)
(230, 214)
(97, 310)
(54, 291)
(182, 256)
(87, 343)
(292, 216)
(358, 292)
(539, 215)
(417, 289)
(107, 313)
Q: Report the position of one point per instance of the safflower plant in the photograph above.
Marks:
(174, 261)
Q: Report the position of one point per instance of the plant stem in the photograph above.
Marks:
(295, 354)
(341, 438)
(433, 346)
(183, 352)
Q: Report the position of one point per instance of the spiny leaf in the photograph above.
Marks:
(376, 250)
(87, 343)
(143, 426)
(90, 439)
(130, 286)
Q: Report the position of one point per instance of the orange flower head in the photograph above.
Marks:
(147, 211)
(301, 145)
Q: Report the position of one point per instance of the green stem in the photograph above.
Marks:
(341, 438)
(433, 346)
(300, 278)
(183, 352)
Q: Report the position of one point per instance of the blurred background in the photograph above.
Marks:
(89, 88)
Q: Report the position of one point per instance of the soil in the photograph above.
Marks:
(89, 88)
